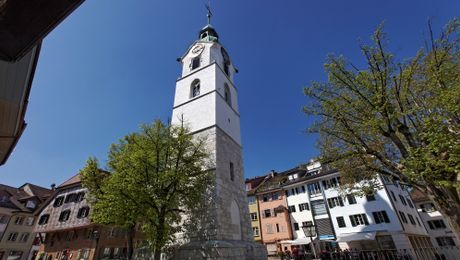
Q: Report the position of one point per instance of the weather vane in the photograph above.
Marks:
(209, 14)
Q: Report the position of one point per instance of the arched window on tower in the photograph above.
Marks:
(227, 95)
(226, 61)
(195, 88)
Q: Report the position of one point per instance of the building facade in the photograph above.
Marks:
(65, 229)
(386, 220)
(439, 230)
(206, 101)
(17, 219)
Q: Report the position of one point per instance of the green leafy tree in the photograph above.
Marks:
(394, 118)
(153, 178)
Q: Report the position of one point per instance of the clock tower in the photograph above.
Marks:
(206, 101)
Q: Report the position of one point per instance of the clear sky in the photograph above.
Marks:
(111, 65)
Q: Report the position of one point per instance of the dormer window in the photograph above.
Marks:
(195, 62)
(195, 88)
(227, 95)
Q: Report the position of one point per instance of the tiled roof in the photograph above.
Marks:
(73, 180)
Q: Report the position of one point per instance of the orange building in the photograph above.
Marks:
(274, 215)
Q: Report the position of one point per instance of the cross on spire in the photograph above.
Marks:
(209, 14)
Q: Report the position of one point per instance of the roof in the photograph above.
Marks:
(73, 180)
(19, 196)
(25, 23)
(418, 195)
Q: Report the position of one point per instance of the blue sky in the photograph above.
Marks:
(112, 65)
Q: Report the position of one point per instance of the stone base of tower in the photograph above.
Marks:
(221, 249)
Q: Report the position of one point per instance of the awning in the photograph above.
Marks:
(347, 237)
(298, 241)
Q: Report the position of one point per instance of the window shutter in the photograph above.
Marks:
(340, 201)
(329, 202)
(385, 217)
(303, 189)
(376, 217)
(365, 219)
(353, 222)
(307, 206)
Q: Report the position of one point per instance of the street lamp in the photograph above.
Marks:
(96, 237)
(310, 231)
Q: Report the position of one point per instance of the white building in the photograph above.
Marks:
(436, 224)
(386, 220)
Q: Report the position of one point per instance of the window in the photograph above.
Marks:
(232, 172)
(227, 95)
(436, 224)
(403, 201)
(252, 200)
(226, 61)
(30, 221)
(380, 217)
(106, 252)
(267, 213)
(269, 228)
(70, 198)
(403, 217)
(275, 196)
(15, 255)
(409, 202)
(43, 219)
(427, 207)
(116, 251)
(19, 220)
(255, 231)
(12, 236)
(445, 241)
(393, 196)
(411, 219)
(58, 201)
(351, 199)
(31, 204)
(307, 223)
(24, 237)
(335, 202)
(334, 182)
(314, 188)
(277, 227)
(253, 216)
(83, 212)
(296, 226)
(113, 232)
(64, 216)
(265, 197)
(318, 207)
(304, 206)
(3, 219)
(370, 197)
(291, 208)
(80, 196)
(341, 222)
(195, 88)
(359, 219)
(418, 221)
(195, 62)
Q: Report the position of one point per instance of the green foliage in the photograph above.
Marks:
(396, 118)
(153, 177)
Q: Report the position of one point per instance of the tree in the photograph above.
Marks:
(395, 118)
(153, 177)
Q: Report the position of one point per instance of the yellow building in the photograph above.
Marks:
(251, 187)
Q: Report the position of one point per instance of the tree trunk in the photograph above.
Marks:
(157, 254)
(129, 238)
(448, 203)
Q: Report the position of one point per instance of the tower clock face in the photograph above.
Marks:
(197, 49)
